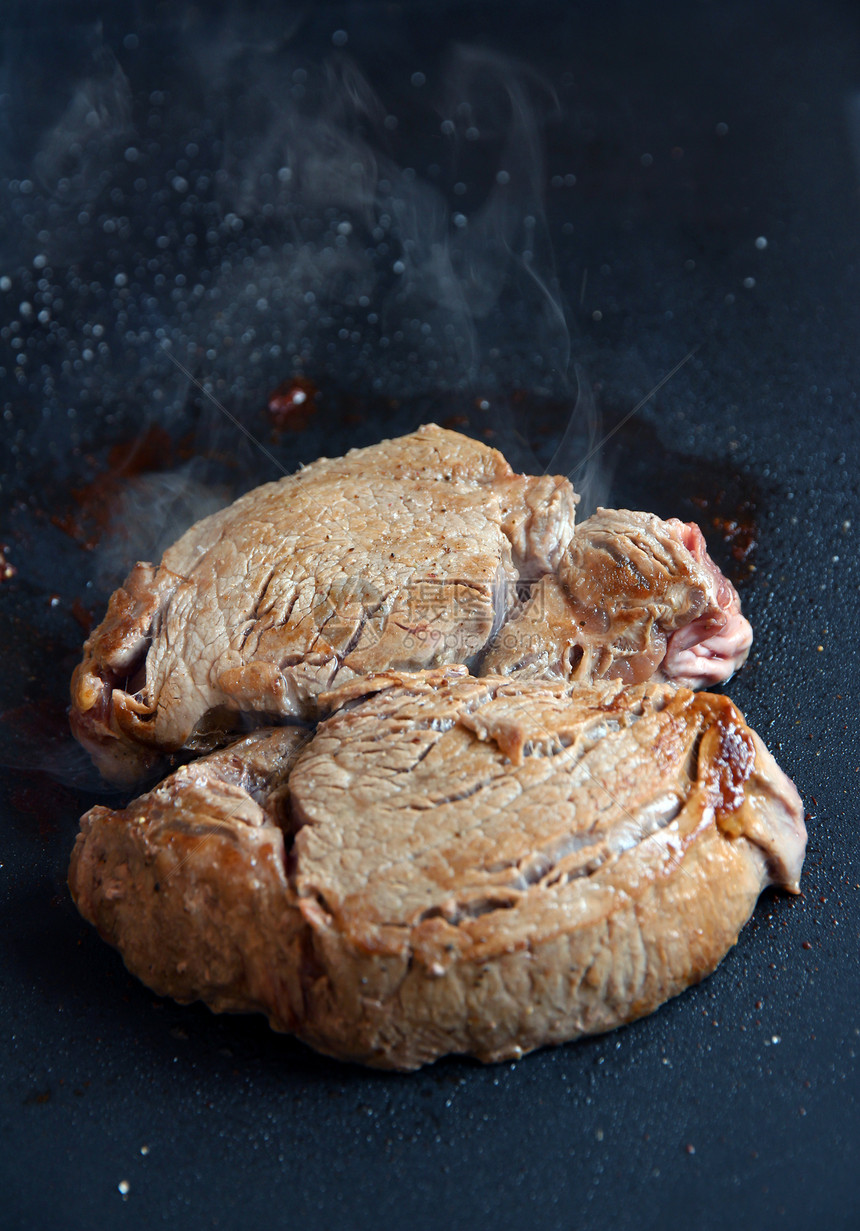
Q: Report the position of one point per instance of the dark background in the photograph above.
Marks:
(647, 150)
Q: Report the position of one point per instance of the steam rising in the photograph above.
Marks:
(591, 475)
(369, 242)
(269, 213)
(148, 508)
(266, 212)
(81, 146)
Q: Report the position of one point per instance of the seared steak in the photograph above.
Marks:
(475, 865)
(189, 880)
(634, 597)
(406, 555)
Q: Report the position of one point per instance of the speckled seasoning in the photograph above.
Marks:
(239, 1121)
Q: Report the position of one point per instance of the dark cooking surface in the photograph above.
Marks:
(690, 136)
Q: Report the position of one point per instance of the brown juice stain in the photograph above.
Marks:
(154, 450)
(42, 721)
(41, 800)
(739, 532)
(85, 618)
(292, 405)
(711, 490)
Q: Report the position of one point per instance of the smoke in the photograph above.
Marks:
(591, 473)
(90, 133)
(505, 248)
(272, 204)
(431, 281)
(144, 514)
(274, 208)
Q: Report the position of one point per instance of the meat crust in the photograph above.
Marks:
(407, 555)
(635, 597)
(189, 880)
(450, 864)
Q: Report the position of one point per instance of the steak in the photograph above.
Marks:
(189, 880)
(407, 555)
(634, 597)
(404, 554)
(450, 863)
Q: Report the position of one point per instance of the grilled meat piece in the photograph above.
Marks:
(473, 865)
(189, 881)
(634, 598)
(405, 555)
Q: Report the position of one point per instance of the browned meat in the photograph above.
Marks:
(189, 882)
(634, 598)
(405, 555)
(479, 866)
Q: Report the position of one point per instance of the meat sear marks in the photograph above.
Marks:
(449, 786)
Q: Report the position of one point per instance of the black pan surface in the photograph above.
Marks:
(682, 180)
